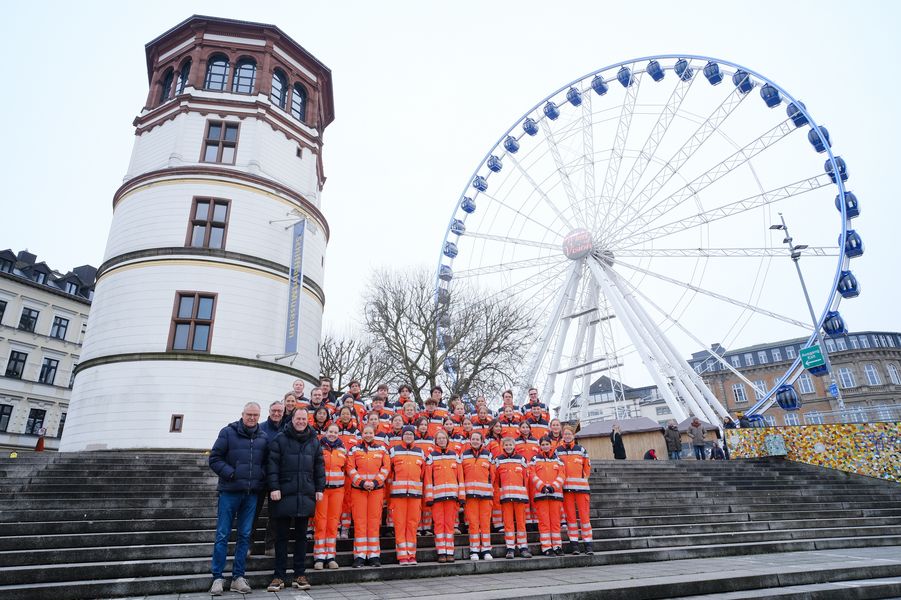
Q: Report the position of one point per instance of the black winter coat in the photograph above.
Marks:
(619, 450)
(296, 468)
(239, 458)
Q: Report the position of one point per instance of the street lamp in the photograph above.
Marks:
(796, 256)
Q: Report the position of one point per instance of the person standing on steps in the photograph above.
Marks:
(296, 475)
(271, 427)
(547, 474)
(444, 492)
(329, 510)
(478, 483)
(616, 438)
(405, 505)
(368, 468)
(673, 441)
(238, 457)
(512, 483)
(696, 432)
(576, 493)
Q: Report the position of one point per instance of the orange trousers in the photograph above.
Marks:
(406, 513)
(514, 524)
(425, 516)
(576, 506)
(346, 506)
(497, 516)
(478, 519)
(367, 514)
(549, 512)
(325, 524)
(444, 514)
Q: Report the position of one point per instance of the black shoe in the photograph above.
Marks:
(547, 552)
(375, 562)
(358, 562)
(509, 553)
(575, 548)
(558, 551)
(524, 553)
(588, 549)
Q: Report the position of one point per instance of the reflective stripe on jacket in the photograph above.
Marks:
(407, 470)
(444, 477)
(368, 462)
(512, 478)
(478, 473)
(547, 470)
(577, 467)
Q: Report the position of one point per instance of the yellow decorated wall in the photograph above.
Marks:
(872, 449)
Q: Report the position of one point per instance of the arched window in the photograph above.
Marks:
(299, 102)
(182, 80)
(217, 73)
(245, 74)
(279, 88)
(166, 87)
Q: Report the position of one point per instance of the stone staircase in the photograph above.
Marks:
(108, 524)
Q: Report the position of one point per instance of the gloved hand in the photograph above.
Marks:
(548, 489)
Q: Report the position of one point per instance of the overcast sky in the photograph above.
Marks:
(422, 90)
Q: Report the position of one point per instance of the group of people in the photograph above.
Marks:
(437, 468)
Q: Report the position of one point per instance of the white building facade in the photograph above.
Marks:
(189, 316)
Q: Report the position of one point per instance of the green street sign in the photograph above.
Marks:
(812, 357)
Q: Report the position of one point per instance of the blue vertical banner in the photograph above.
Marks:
(295, 283)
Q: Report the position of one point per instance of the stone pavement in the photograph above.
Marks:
(777, 570)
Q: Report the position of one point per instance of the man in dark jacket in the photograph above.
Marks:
(238, 457)
(270, 427)
(296, 476)
(673, 441)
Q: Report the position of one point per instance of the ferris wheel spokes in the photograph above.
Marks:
(557, 212)
(589, 200)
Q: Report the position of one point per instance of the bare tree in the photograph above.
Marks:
(347, 358)
(484, 340)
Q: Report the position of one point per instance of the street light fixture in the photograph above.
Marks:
(796, 257)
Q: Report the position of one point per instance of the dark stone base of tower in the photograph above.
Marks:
(112, 524)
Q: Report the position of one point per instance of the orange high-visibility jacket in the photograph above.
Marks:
(510, 426)
(577, 467)
(368, 462)
(527, 448)
(512, 477)
(349, 435)
(457, 443)
(547, 470)
(335, 458)
(478, 473)
(426, 444)
(494, 446)
(555, 441)
(526, 409)
(436, 419)
(540, 427)
(407, 471)
(444, 477)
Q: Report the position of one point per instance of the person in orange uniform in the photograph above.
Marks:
(349, 434)
(527, 447)
(434, 414)
(509, 421)
(444, 492)
(547, 473)
(556, 433)
(409, 413)
(368, 466)
(534, 403)
(482, 421)
(407, 473)
(478, 483)
(426, 443)
(576, 493)
(512, 483)
(397, 429)
(540, 425)
(494, 446)
(328, 510)
(507, 400)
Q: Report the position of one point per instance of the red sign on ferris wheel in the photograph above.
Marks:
(577, 244)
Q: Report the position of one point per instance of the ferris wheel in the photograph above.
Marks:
(634, 214)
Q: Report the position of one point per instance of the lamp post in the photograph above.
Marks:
(796, 256)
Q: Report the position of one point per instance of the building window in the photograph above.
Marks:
(872, 374)
(761, 357)
(790, 352)
(840, 344)
(791, 419)
(39, 277)
(35, 421)
(663, 410)
(245, 75)
(813, 418)
(892, 372)
(770, 420)
(864, 341)
(846, 377)
(6, 412)
(854, 344)
(220, 143)
(6, 266)
(192, 322)
(217, 73)
(16, 365)
(29, 319)
(208, 223)
(72, 375)
(182, 80)
(62, 425)
(279, 93)
(48, 371)
(59, 328)
(736, 361)
(890, 340)
(759, 389)
(166, 87)
(805, 383)
(176, 423)
(2, 309)
(71, 288)
(876, 343)
(738, 392)
(299, 102)
(749, 360)
(777, 354)
(830, 345)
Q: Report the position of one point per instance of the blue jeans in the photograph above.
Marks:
(675, 455)
(242, 504)
(700, 453)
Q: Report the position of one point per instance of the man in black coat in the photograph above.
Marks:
(296, 477)
(239, 458)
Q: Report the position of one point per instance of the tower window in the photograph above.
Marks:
(182, 80)
(209, 222)
(299, 102)
(176, 423)
(166, 86)
(217, 73)
(220, 143)
(48, 371)
(245, 75)
(279, 89)
(192, 322)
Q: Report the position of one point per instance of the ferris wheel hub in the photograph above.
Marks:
(578, 244)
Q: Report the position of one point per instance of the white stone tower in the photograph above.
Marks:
(191, 305)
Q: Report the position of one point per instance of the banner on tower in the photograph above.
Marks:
(295, 283)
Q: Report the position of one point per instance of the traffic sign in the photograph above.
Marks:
(833, 390)
(812, 357)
